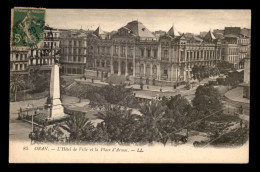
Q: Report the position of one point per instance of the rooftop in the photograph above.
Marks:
(139, 29)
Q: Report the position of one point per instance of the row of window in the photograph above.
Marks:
(76, 43)
(18, 67)
(233, 59)
(69, 70)
(233, 51)
(151, 53)
(243, 41)
(50, 44)
(74, 51)
(16, 57)
(75, 59)
(102, 64)
(50, 35)
(40, 53)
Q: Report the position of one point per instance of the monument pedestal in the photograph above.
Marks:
(57, 110)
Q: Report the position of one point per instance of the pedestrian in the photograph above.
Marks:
(241, 123)
(241, 109)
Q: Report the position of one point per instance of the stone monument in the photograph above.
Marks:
(56, 107)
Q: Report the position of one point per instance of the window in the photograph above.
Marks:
(142, 52)
(165, 72)
(21, 56)
(16, 66)
(165, 53)
(97, 63)
(74, 59)
(116, 49)
(74, 71)
(69, 70)
(79, 59)
(25, 56)
(17, 56)
(155, 53)
(25, 66)
(123, 50)
(103, 64)
(21, 66)
(75, 43)
(148, 53)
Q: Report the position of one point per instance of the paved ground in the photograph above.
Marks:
(19, 130)
(236, 94)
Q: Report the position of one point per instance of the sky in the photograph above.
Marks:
(193, 21)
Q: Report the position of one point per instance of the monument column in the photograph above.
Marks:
(56, 105)
(134, 61)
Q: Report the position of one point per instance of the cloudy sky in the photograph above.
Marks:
(193, 21)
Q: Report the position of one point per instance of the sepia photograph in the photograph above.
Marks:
(129, 85)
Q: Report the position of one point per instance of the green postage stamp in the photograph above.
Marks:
(27, 26)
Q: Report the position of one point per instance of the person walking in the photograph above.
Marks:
(241, 123)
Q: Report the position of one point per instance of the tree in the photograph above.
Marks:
(16, 83)
(150, 128)
(179, 111)
(207, 100)
(79, 127)
(234, 78)
(39, 81)
(224, 67)
(118, 124)
(196, 72)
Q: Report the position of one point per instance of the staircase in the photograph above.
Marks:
(116, 79)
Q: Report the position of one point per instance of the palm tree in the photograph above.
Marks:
(119, 123)
(16, 83)
(153, 113)
(79, 127)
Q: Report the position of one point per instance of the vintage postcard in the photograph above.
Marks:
(129, 85)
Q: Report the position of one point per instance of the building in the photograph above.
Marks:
(203, 34)
(159, 33)
(235, 45)
(230, 49)
(44, 56)
(19, 60)
(73, 46)
(246, 83)
(137, 53)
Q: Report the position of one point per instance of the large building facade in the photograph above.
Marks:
(19, 60)
(26, 60)
(73, 46)
(135, 52)
(44, 56)
(235, 45)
